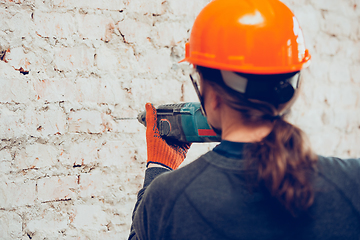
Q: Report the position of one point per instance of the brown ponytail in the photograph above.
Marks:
(283, 159)
(284, 162)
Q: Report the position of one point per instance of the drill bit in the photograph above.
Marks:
(141, 118)
(127, 118)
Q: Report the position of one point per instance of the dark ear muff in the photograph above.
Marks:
(284, 91)
(275, 89)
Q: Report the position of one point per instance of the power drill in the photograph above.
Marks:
(182, 122)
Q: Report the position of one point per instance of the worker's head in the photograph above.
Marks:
(252, 50)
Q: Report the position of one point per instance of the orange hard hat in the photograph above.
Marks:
(249, 36)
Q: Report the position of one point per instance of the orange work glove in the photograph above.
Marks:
(158, 150)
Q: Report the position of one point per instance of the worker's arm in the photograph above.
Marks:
(150, 174)
(161, 157)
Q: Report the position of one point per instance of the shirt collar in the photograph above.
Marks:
(230, 149)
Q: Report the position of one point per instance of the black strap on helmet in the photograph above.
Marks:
(275, 88)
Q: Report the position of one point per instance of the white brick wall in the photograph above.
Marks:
(69, 70)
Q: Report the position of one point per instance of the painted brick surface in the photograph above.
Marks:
(14, 194)
(72, 72)
(57, 188)
(36, 155)
(10, 225)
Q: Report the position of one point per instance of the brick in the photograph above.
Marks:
(355, 73)
(358, 29)
(112, 235)
(54, 90)
(349, 50)
(326, 4)
(6, 70)
(100, 4)
(48, 222)
(11, 123)
(353, 121)
(348, 96)
(50, 121)
(160, 94)
(81, 153)
(15, 194)
(122, 110)
(17, 23)
(117, 153)
(155, 91)
(337, 24)
(321, 143)
(12, 1)
(326, 44)
(106, 90)
(139, 92)
(169, 33)
(36, 156)
(134, 31)
(16, 90)
(94, 184)
(319, 69)
(339, 119)
(339, 72)
(355, 53)
(348, 145)
(304, 95)
(119, 59)
(78, 58)
(334, 95)
(57, 188)
(128, 126)
(53, 24)
(97, 27)
(86, 121)
(346, 8)
(10, 225)
(356, 151)
(91, 185)
(18, 59)
(143, 7)
(87, 89)
(187, 7)
(311, 119)
(5, 161)
(89, 217)
(156, 61)
(309, 19)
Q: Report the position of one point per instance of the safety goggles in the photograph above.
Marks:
(195, 79)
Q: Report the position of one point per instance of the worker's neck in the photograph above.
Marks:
(245, 134)
(233, 129)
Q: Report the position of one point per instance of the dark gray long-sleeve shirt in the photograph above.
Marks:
(210, 199)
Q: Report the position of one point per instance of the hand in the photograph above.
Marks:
(158, 150)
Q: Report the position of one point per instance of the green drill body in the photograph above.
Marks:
(182, 122)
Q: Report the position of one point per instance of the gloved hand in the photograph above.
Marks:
(158, 150)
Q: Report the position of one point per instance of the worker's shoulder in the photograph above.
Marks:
(337, 166)
(341, 175)
(179, 179)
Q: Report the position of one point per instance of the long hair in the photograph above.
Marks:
(283, 159)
